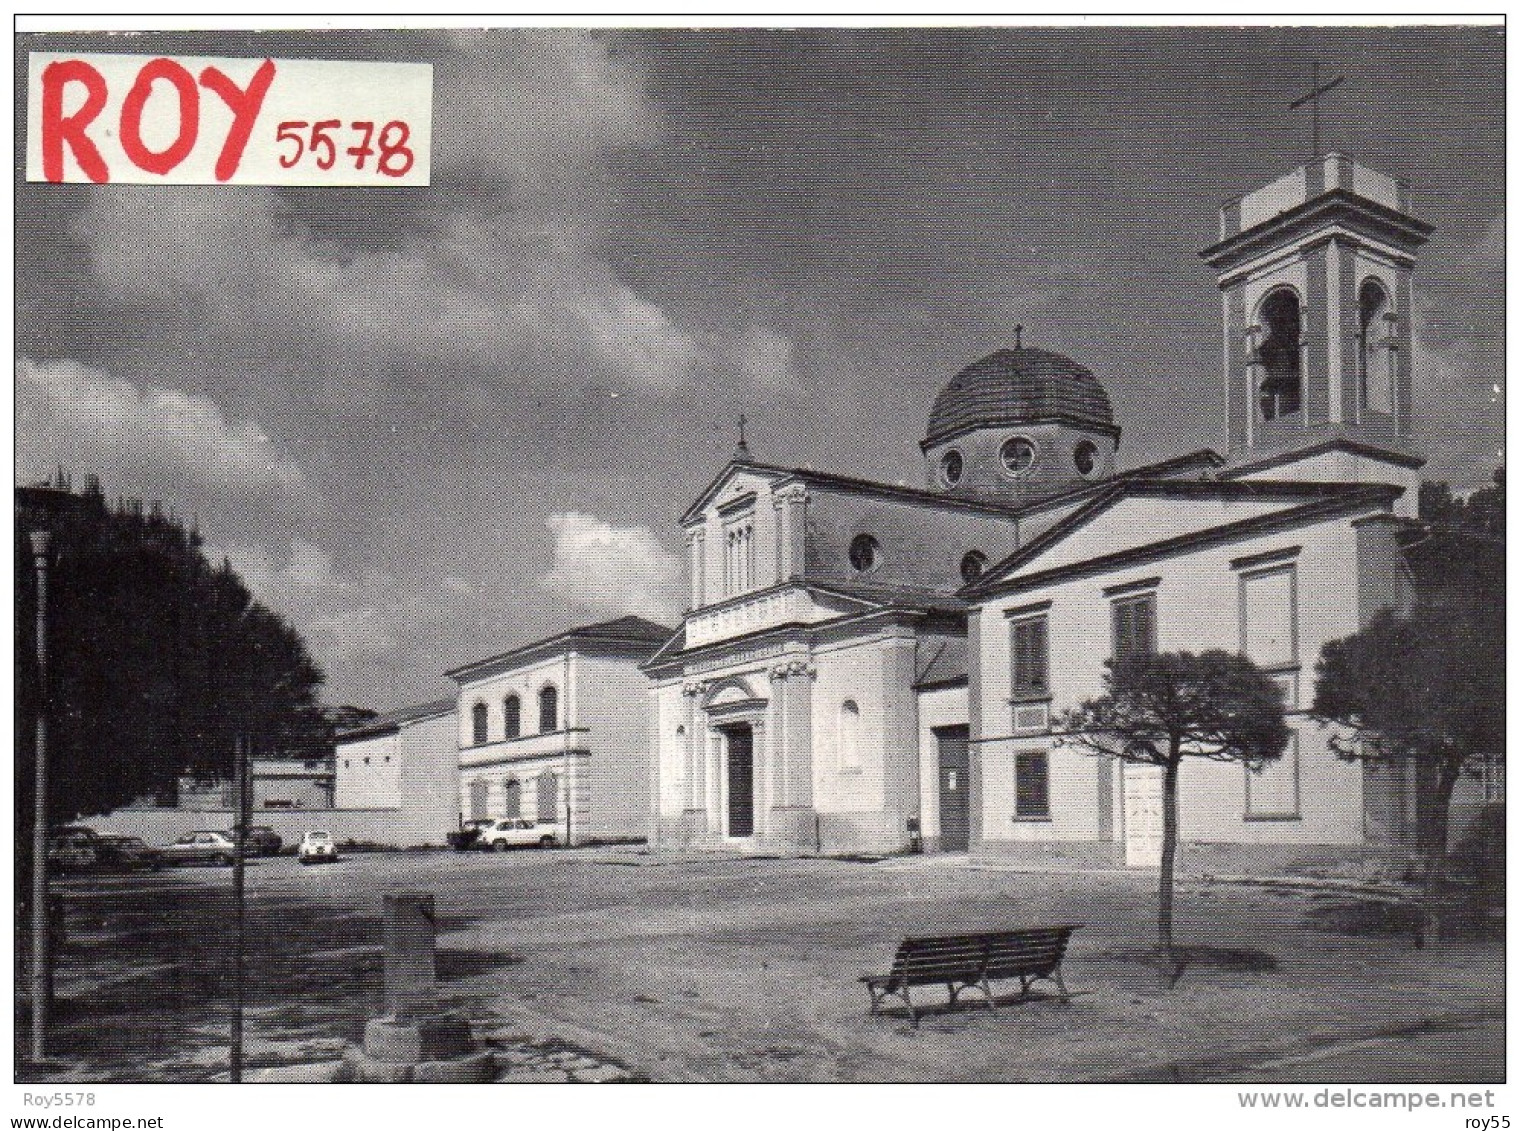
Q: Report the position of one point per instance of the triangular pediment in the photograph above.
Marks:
(1135, 515)
(731, 482)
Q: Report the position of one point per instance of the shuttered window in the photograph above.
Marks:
(1134, 626)
(478, 723)
(1031, 784)
(1031, 658)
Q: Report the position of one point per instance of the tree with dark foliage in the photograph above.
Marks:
(1426, 690)
(1158, 709)
(159, 661)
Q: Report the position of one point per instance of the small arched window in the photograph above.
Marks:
(1374, 357)
(512, 788)
(478, 724)
(849, 735)
(511, 714)
(548, 709)
(1279, 356)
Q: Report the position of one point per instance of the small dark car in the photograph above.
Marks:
(262, 841)
(128, 853)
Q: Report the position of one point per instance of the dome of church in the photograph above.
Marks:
(1018, 386)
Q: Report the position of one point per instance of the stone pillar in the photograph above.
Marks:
(411, 970)
(793, 820)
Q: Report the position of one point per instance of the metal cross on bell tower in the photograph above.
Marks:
(1312, 99)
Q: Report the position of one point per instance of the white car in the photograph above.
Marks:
(317, 847)
(515, 832)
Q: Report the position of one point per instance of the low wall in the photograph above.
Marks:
(161, 826)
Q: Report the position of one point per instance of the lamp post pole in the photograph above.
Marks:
(240, 836)
(41, 972)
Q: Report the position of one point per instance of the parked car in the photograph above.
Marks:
(317, 847)
(262, 841)
(129, 853)
(468, 835)
(516, 832)
(72, 847)
(200, 847)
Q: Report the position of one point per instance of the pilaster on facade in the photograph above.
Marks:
(791, 531)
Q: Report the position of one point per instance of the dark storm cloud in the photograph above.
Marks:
(481, 394)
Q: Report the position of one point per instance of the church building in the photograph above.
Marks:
(867, 667)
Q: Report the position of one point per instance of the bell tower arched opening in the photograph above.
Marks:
(1280, 356)
(1374, 349)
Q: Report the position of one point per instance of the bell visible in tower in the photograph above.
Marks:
(1280, 356)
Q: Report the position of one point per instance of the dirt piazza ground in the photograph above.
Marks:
(733, 969)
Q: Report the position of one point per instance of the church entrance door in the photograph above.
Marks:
(954, 788)
(741, 781)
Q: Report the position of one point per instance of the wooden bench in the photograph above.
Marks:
(973, 961)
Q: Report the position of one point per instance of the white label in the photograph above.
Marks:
(190, 120)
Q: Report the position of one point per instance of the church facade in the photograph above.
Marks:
(868, 667)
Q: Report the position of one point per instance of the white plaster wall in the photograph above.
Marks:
(1266, 202)
(613, 701)
(670, 708)
(368, 774)
(1141, 521)
(848, 671)
(429, 781)
(1349, 467)
(1197, 604)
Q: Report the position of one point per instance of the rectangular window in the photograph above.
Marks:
(1268, 627)
(1031, 658)
(1031, 784)
(1272, 791)
(1134, 625)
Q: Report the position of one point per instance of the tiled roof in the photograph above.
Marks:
(393, 719)
(1017, 385)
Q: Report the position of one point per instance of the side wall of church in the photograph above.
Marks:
(1315, 797)
(865, 742)
(920, 546)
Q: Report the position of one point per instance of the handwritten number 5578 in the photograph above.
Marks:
(395, 156)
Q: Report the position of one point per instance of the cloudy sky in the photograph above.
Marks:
(429, 424)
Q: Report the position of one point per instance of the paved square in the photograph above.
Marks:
(745, 969)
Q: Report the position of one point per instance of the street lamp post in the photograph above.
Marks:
(37, 508)
(41, 972)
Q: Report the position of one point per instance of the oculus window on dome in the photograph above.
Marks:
(1086, 459)
(973, 565)
(952, 466)
(865, 553)
(1017, 455)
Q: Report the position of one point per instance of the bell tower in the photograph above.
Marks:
(1316, 273)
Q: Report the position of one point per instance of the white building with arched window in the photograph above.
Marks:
(558, 731)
